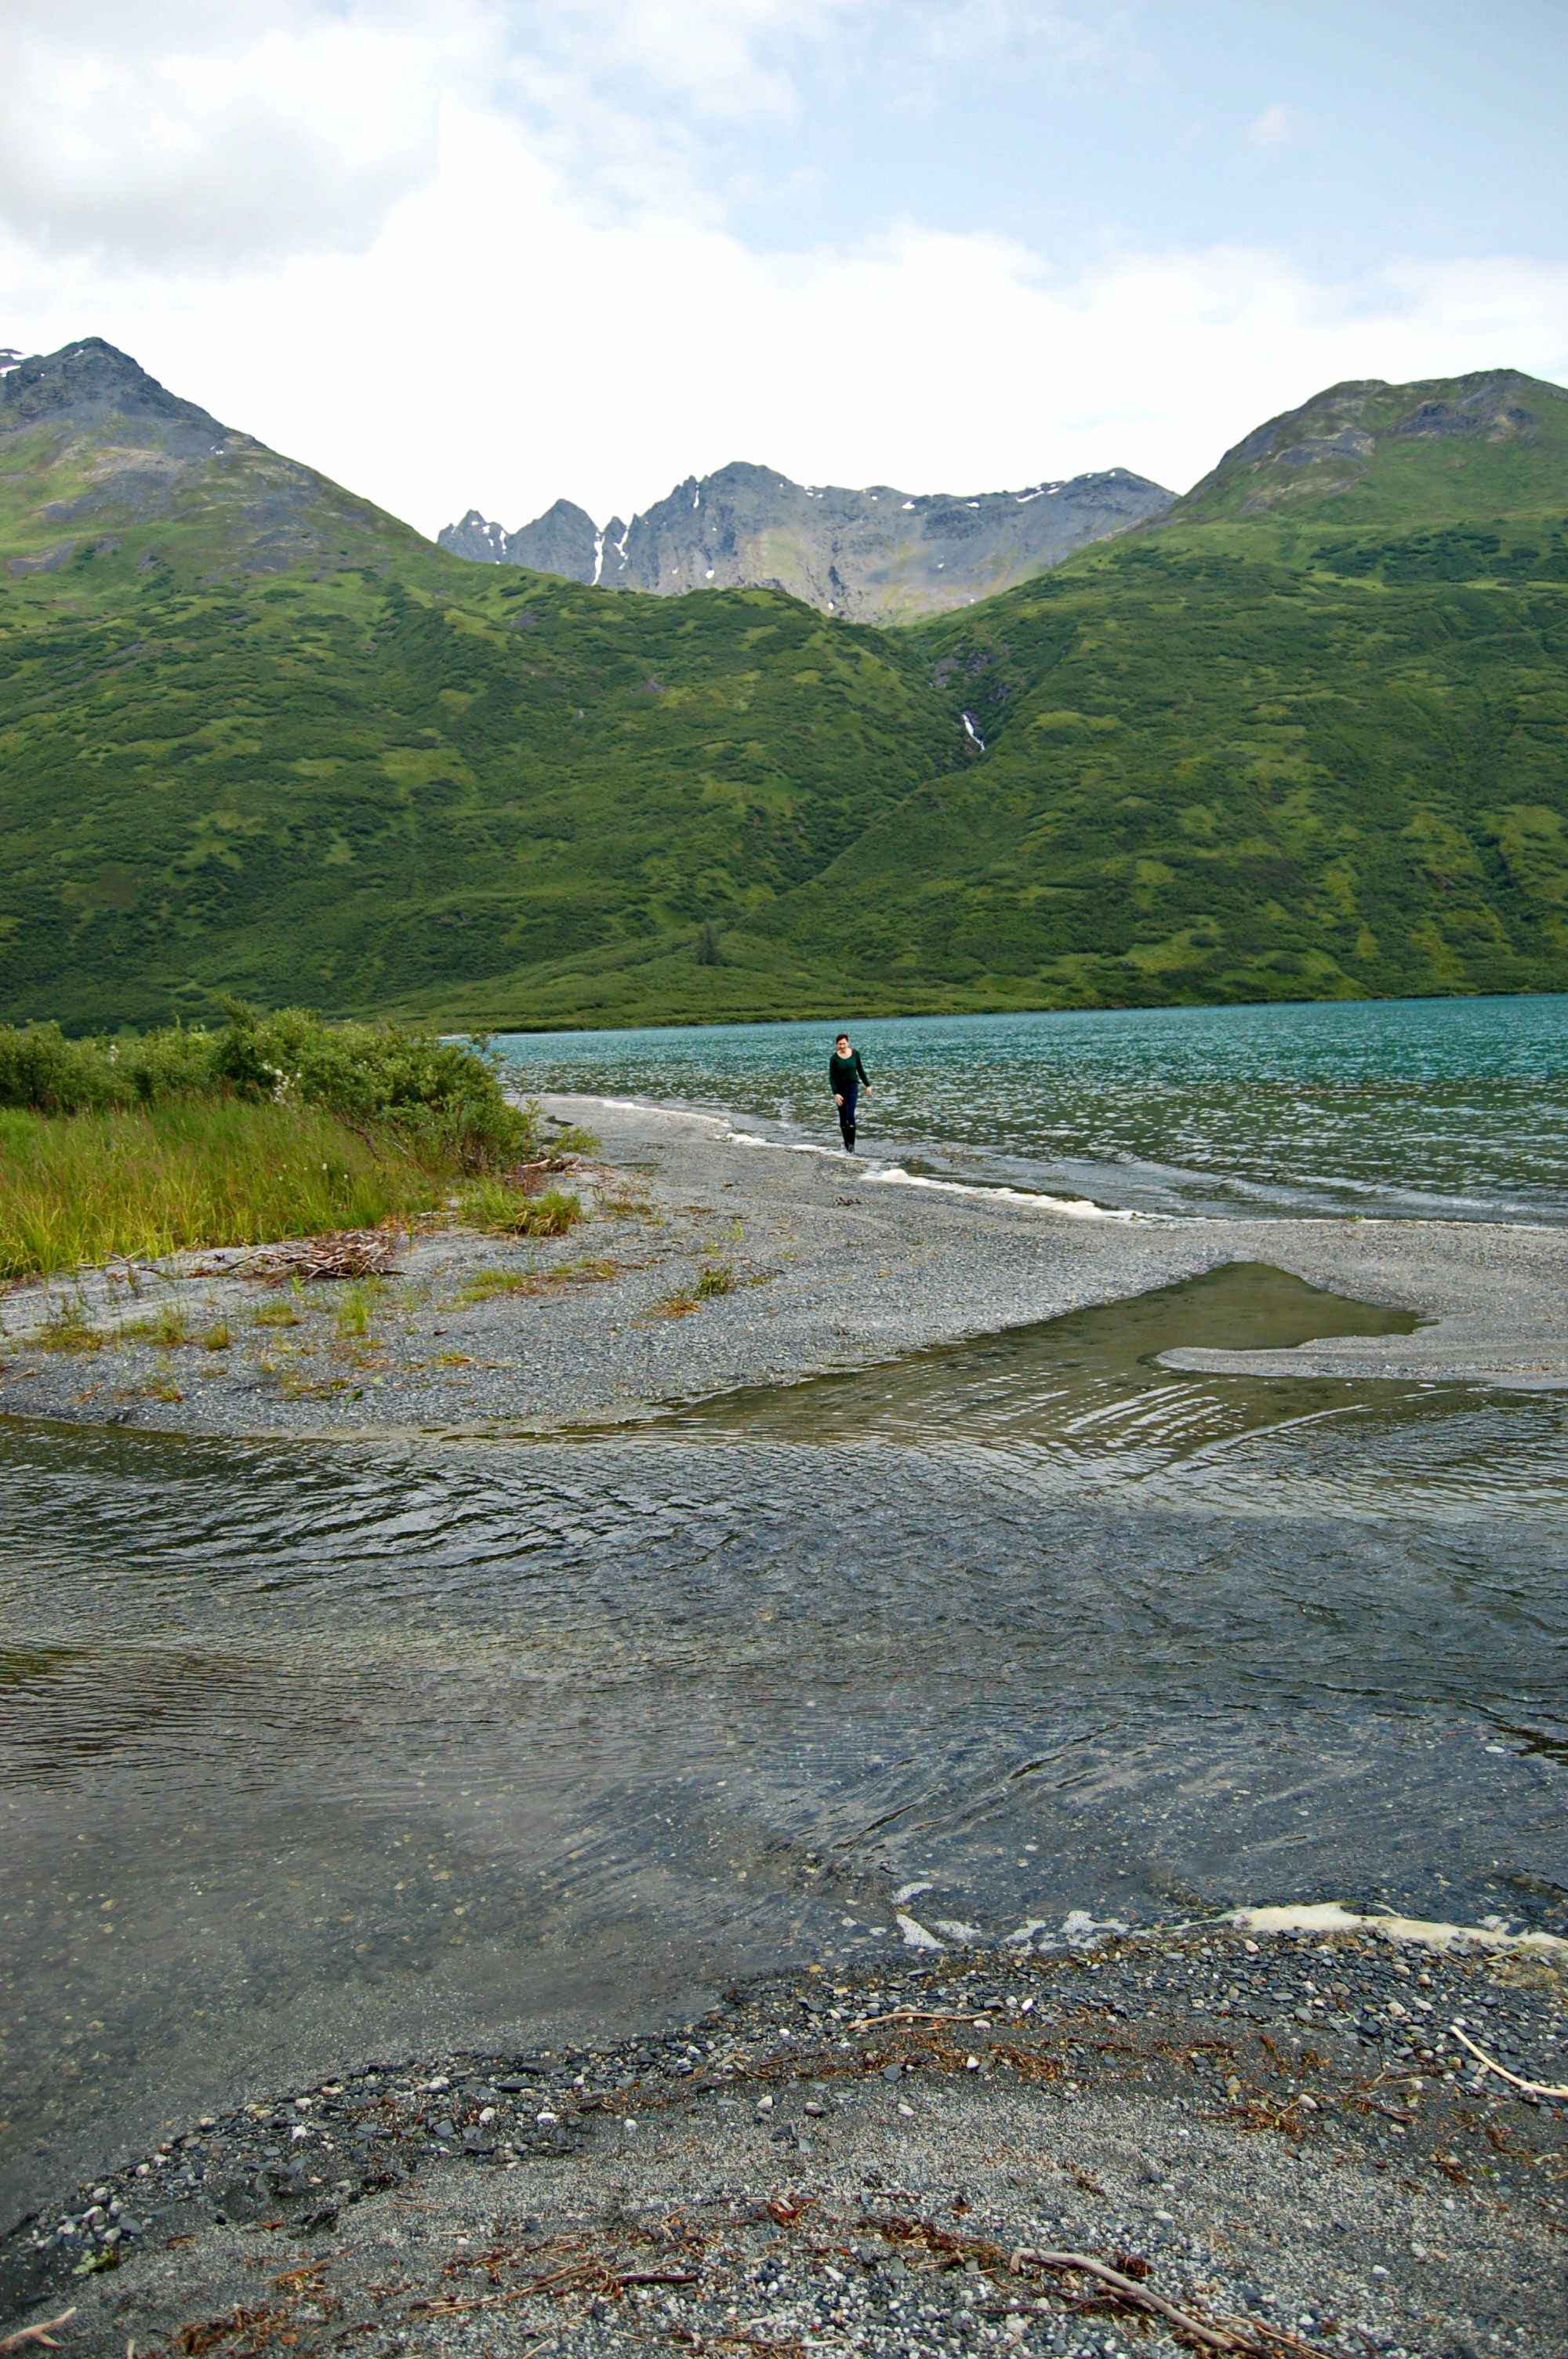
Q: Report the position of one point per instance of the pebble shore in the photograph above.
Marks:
(1282, 2135)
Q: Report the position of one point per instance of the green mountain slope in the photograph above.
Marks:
(1304, 736)
(255, 735)
(1308, 737)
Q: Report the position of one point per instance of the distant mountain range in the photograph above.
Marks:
(1301, 735)
(875, 556)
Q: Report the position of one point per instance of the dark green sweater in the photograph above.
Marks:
(847, 1073)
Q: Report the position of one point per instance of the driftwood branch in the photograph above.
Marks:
(1531, 2088)
(1216, 2338)
(42, 2331)
(346, 1253)
(907, 2015)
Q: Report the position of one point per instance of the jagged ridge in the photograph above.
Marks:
(874, 556)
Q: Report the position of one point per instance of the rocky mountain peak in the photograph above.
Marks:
(1329, 442)
(875, 554)
(86, 382)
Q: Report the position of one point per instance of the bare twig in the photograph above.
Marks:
(577, 2276)
(1531, 2088)
(1216, 2338)
(42, 2331)
(907, 2015)
(1283, 2337)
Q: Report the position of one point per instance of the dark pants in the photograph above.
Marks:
(846, 1118)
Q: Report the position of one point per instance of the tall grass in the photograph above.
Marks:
(197, 1171)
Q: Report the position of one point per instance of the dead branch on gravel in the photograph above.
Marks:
(788, 2349)
(581, 2276)
(256, 2326)
(42, 2331)
(1128, 2289)
(1531, 2088)
(343, 1252)
(909, 2015)
(1283, 2337)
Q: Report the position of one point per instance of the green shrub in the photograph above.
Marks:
(41, 1069)
(441, 1099)
(442, 1096)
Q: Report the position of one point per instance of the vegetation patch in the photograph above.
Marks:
(80, 1187)
(505, 1212)
(486, 1285)
(678, 1303)
(166, 1327)
(68, 1329)
(354, 1307)
(270, 1127)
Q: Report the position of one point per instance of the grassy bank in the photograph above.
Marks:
(147, 1180)
(271, 1127)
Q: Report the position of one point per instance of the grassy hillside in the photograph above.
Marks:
(1305, 737)
(357, 772)
(1308, 737)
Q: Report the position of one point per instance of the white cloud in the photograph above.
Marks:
(725, 57)
(1277, 126)
(454, 313)
(177, 134)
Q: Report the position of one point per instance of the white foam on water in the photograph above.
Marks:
(915, 1936)
(885, 1175)
(1433, 1933)
(1074, 1208)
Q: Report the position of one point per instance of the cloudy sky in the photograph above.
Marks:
(491, 252)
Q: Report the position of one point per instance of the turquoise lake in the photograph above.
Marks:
(1454, 1108)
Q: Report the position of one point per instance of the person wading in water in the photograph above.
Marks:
(846, 1077)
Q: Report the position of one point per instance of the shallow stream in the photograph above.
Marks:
(312, 1754)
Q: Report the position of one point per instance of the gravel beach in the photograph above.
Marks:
(1285, 2136)
(711, 1260)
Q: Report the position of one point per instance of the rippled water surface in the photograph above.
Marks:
(311, 1755)
(1457, 1107)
